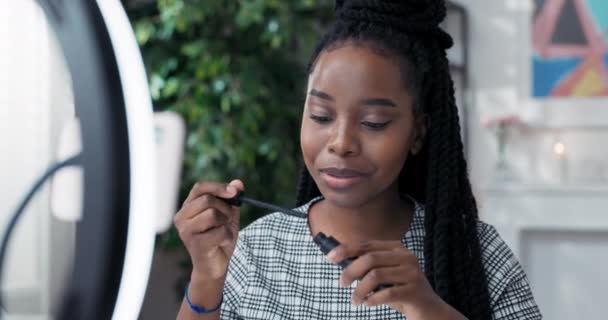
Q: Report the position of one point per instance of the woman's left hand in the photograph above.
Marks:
(388, 262)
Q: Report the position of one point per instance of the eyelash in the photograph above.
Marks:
(320, 119)
(371, 125)
(376, 125)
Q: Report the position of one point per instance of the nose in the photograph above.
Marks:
(344, 140)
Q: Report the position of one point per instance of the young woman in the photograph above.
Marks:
(385, 174)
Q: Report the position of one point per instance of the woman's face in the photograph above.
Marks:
(358, 125)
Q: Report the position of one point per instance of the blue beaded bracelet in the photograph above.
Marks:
(197, 309)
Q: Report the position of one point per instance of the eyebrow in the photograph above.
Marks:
(321, 94)
(382, 102)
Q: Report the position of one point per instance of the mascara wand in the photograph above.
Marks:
(240, 198)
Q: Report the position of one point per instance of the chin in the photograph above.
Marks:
(346, 198)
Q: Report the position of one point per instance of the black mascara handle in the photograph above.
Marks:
(236, 200)
(327, 243)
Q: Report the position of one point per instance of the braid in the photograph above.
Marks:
(441, 188)
(437, 175)
(307, 189)
(455, 213)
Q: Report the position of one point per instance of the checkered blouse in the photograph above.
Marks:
(277, 272)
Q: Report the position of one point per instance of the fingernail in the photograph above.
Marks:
(231, 189)
(331, 257)
(356, 300)
(343, 283)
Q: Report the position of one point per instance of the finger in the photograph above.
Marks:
(365, 263)
(191, 194)
(218, 189)
(347, 250)
(392, 294)
(207, 220)
(235, 220)
(238, 184)
(212, 238)
(376, 277)
(201, 204)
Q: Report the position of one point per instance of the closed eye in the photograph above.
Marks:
(375, 125)
(320, 119)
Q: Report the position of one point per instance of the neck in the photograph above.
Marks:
(385, 217)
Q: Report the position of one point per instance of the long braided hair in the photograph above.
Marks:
(437, 176)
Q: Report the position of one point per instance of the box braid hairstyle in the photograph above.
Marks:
(437, 176)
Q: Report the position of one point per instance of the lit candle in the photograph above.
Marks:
(559, 149)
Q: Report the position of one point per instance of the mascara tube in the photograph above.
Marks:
(327, 243)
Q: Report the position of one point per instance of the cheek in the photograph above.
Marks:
(396, 157)
(390, 153)
(310, 142)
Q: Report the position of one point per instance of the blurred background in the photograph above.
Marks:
(532, 88)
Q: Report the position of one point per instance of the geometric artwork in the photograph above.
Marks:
(570, 45)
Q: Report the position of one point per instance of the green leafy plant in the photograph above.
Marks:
(235, 71)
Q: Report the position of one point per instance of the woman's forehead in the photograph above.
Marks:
(355, 70)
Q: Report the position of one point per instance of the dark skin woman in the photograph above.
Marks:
(358, 129)
(384, 173)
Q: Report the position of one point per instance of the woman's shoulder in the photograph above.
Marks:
(506, 279)
(497, 257)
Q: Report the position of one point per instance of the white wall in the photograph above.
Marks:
(24, 131)
(500, 56)
(548, 219)
(34, 101)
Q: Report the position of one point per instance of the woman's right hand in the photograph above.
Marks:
(208, 227)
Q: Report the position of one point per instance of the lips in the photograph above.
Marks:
(341, 178)
(341, 173)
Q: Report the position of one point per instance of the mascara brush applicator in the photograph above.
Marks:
(240, 198)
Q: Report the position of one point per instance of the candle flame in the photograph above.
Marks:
(559, 148)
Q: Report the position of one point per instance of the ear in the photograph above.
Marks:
(421, 125)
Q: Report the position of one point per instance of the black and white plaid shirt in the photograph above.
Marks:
(277, 272)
